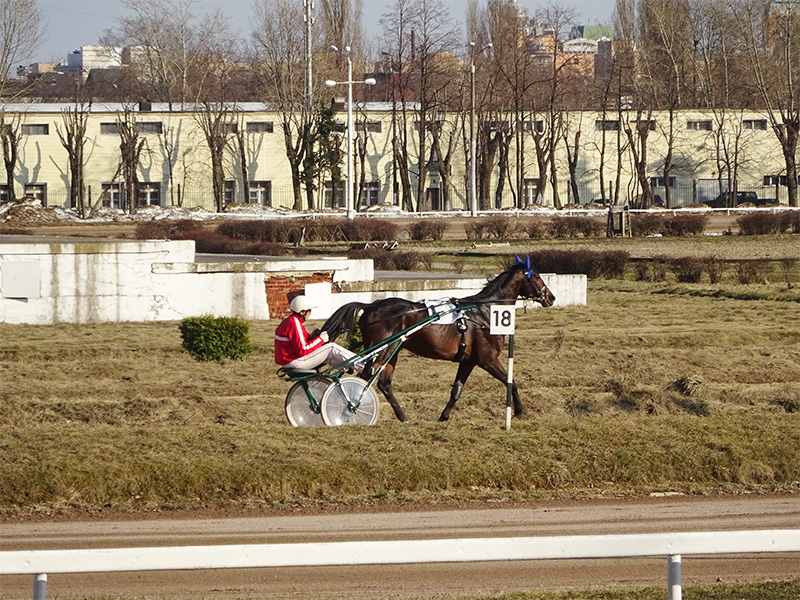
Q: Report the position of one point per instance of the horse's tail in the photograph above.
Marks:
(344, 320)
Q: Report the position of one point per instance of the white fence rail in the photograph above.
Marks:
(40, 563)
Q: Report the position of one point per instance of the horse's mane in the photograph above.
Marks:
(491, 291)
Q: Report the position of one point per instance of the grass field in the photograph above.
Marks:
(650, 387)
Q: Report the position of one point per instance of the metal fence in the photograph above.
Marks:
(454, 198)
(39, 563)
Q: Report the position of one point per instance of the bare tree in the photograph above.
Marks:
(130, 150)
(421, 35)
(10, 138)
(169, 47)
(771, 42)
(21, 30)
(279, 62)
(72, 134)
(217, 121)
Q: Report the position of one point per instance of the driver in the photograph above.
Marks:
(295, 348)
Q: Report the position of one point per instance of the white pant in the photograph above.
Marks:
(329, 354)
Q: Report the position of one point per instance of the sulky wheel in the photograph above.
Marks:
(300, 409)
(349, 402)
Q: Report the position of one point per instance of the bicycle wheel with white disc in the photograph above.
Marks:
(349, 402)
(300, 410)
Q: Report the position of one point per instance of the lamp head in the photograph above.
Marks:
(370, 81)
(333, 48)
(330, 83)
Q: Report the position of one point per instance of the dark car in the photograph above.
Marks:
(724, 200)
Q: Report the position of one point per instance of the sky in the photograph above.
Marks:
(71, 24)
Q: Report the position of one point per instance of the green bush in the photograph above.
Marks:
(215, 338)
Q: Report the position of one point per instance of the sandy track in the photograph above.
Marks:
(405, 581)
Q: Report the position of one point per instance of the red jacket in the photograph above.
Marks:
(291, 340)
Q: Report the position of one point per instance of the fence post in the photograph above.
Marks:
(40, 586)
(674, 577)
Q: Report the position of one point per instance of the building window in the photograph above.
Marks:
(659, 182)
(232, 127)
(755, 124)
(699, 125)
(497, 126)
(150, 127)
(371, 194)
(773, 180)
(149, 194)
(607, 125)
(369, 126)
(111, 194)
(37, 190)
(36, 129)
(429, 125)
(261, 193)
(260, 127)
(645, 125)
(3, 192)
(109, 128)
(533, 126)
(229, 195)
(332, 200)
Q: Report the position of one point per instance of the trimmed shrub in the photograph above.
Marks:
(165, 229)
(476, 230)
(612, 263)
(212, 242)
(686, 225)
(714, 267)
(644, 224)
(381, 258)
(759, 223)
(577, 226)
(790, 221)
(406, 261)
(687, 269)
(608, 264)
(256, 230)
(427, 230)
(535, 228)
(369, 230)
(754, 271)
(499, 227)
(215, 338)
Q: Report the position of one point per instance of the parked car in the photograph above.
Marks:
(724, 200)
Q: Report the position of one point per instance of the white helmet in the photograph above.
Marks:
(299, 304)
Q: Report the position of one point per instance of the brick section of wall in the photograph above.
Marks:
(282, 288)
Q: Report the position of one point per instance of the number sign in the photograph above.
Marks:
(502, 319)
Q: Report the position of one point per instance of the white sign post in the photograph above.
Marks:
(502, 323)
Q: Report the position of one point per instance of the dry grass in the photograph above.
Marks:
(637, 392)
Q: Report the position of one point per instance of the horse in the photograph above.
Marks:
(467, 341)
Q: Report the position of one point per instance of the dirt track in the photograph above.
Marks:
(406, 581)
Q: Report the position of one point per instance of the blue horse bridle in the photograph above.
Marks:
(529, 273)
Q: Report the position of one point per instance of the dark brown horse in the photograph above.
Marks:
(467, 341)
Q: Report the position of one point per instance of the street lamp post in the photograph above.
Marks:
(473, 197)
(349, 83)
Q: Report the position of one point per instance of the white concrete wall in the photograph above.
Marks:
(91, 282)
(116, 280)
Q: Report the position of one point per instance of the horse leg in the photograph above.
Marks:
(464, 369)
(385, 386)
(498, 371)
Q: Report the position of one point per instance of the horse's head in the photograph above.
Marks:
(533, 286)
